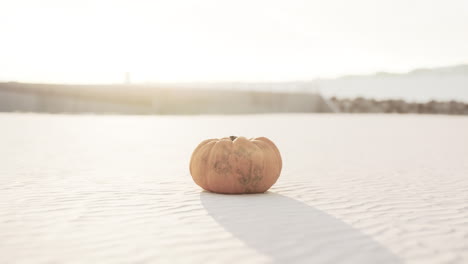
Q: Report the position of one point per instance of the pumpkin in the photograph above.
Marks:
(235, 165)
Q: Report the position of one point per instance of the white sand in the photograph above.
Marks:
(354, 189)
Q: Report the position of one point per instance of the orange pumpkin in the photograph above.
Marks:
(236, 165)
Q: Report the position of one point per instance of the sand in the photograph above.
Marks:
(116, 189)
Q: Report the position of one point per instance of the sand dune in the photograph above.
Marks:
(116, 189)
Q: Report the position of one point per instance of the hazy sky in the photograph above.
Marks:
(182, 40)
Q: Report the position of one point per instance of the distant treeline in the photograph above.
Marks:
(363, 105)
(153, 99)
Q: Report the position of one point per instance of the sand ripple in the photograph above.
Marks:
(116, 189)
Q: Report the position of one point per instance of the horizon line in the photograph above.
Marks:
(336, 77)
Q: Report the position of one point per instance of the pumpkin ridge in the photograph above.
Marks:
(202, 154)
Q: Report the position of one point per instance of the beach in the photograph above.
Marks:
(363, 188)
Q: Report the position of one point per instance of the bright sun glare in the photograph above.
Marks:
(211, 40)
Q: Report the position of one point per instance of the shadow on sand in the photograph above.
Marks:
(289, 231)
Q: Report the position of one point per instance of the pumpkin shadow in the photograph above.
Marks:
(289, 231)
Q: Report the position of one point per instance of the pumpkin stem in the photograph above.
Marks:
(232, 137)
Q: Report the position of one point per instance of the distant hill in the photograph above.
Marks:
(458, 69)
(420, 85)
